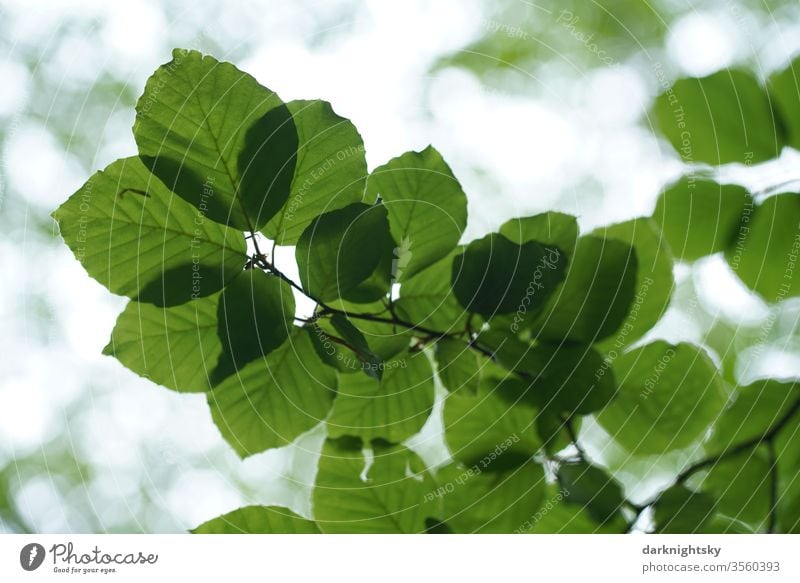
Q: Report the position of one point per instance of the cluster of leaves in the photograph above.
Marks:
(730, 118)
(524, 332)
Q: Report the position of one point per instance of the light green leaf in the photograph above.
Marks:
(654, 281)
(273, 400)
(420, 191)
(330, 172)
(389, 499)
(597, 295)
(764, 255)
(394, 408)
(754, 411)
(134, 236)
(488, 431)
(219, 139)
(725, 117)
(259, 520)
(551, 228)
(337, 251)
(495, 276)
(255, 316)
(459, 366)
(427, 299)
(176, 347)
(489, 502)
(700, 217)
(668, 396)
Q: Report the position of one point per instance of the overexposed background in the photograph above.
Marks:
(527, 111)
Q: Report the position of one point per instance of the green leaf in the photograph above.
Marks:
(487, 431)
(495, 276)
(371, 363)
(787, 451)
(259, 520)
(742, 487)
(136, 238)
(389, 499)
(700, 217)
(784, 91)
(755, 410)
(681, 511)
(558, 516)
(597, 295)
(570, 379)
(219, 139)
(654, 281)
(175, 347)
(273, 400)
(330, 172)
(427, 299)
(255, 316)
(591, 488)
(551, 229)
(420, 192)
(459, 366)
(481, 502)
(394, 408)
(668, 396)
(337, 251)
(765, 253)
(725, 117)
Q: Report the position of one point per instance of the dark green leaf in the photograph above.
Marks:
(427, 208)
(489, 502)
(784, 91)
(390, 499)
(597, 295)
(570, 379)
(765, 253)
(668, 396)
(742, 486)
(259, 520)
(176, 347)
(681, 511)
(654, 281)
(330, 173)
(592, 488)
(725, 117)
(337, 251)
(255, 316)
(700, 217)
(495, 276)
(219, 139)
(394, 408)
(139, 240)
(273, 400)
(558, 516)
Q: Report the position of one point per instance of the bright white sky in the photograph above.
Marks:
(575, 146)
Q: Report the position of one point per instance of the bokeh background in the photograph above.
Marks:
(536, 105)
